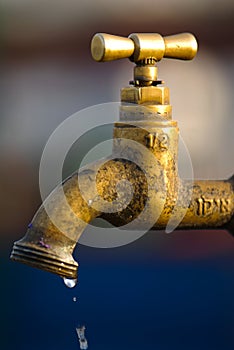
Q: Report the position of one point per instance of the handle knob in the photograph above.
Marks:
(140, 46)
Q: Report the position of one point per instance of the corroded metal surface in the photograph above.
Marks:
(142, 173)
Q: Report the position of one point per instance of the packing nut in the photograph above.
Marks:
(146, 95)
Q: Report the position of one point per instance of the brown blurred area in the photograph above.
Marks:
(47, 74)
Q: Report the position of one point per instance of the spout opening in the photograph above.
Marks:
(41, 259)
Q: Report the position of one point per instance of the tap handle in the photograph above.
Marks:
(141, 46)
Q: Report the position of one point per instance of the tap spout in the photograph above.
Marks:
(56, 227)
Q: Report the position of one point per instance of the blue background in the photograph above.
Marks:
(140, 296)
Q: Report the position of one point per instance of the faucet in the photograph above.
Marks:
(144, 155)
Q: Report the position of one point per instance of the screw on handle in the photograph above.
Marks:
(140, 46)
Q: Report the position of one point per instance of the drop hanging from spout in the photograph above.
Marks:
(70, 282)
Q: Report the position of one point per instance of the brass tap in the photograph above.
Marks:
(145, 123)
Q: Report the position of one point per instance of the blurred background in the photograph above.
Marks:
(163, 291)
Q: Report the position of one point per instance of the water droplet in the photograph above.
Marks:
(82, 339)
(74, 299)
(69, 282)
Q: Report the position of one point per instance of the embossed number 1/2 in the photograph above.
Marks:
(156, 140)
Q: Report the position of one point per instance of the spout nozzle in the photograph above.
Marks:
(55, 229)
(28, 254)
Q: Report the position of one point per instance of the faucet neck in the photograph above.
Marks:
(146, 119)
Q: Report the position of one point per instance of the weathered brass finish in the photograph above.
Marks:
(145, 118)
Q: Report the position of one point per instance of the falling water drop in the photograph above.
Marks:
(69, 282)
(74, 299)
(82, 339)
